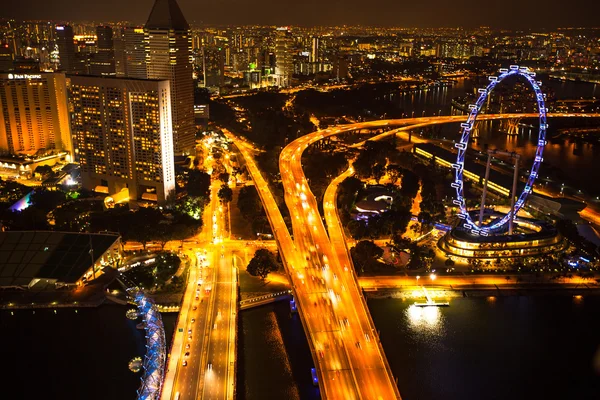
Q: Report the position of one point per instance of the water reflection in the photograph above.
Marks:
(425, 319)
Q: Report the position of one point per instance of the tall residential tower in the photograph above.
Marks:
(284, 67)
(66, 49)
(168, 56)
(122, 135)
(34, 114)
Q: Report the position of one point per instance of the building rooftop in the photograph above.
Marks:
(63, 256)
(166, 14)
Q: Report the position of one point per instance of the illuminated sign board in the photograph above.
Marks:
(24, 76)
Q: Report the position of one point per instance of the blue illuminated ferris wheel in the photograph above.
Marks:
(462, 145)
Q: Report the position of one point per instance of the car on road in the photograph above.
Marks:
(193, 320)
(187, 346)
(189, 331)
(187, 354)
(210, 366)
(357, 344)
(195, 308)
(184, 363)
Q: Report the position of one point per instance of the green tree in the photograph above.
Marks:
(47, 200)
(225, 193)
(224, 177)
(44, 170)
(378, 171)
(198, 183)
(365, 255)
(192, 206)
(262, 264)
(394, 172)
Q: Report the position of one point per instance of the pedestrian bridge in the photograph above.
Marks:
(266, 299)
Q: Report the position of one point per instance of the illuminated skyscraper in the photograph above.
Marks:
(315, 57)
(284, 67)
(34, 114)
(102, 63)
(168, 56)
(122, 135)
(130, 53)
(66, 49)
(213, 66)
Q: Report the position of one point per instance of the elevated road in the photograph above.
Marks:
(202, 358)
(342, 320)
(348, 356)
(336, 379)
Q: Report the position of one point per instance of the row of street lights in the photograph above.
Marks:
(432, 276)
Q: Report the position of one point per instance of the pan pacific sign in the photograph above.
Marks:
(24, 76)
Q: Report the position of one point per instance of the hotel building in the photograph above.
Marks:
(34, 115)
(122, 135)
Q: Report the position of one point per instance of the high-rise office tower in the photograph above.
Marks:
(130, 53)
(34, 114)
(213, 66)
(284, 67)
(168, 56)
(119, 44)
(66, 49)
(135, 53)
(122, 135)
(102, 63)
(314, 51)
(315, 59)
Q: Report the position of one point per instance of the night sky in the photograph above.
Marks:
(414, 13)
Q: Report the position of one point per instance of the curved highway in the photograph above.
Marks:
(346, 330)
(348, 356)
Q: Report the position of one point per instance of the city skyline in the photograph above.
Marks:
(553, 14)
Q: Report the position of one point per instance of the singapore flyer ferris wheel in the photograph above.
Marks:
(498, 224)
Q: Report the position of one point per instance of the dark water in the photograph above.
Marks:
(571, 156)
(274, 359)
(528, 347)
(72, 355)
(69, 355)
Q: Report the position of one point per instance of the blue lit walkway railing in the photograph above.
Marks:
(154, 361)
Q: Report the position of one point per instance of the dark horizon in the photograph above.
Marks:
(380, 13)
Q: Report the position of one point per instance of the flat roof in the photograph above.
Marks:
(64, 256)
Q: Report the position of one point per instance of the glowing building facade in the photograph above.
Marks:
(168, 45)
(122, 135)
(33, 113)
(284, 67)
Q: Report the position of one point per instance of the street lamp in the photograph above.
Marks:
(418, 277)
(432, 277)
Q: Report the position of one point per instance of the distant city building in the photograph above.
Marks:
(34, 114)
(6, 58)
(26, 65)
(66, 49)
(459, 50)
(340, 68)
(102, 63)
(122, 135)
(168, 56)
(130, 53)
(315, 55)
(284, 67)
(213, 66)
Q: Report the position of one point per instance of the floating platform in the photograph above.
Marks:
(432, 304)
